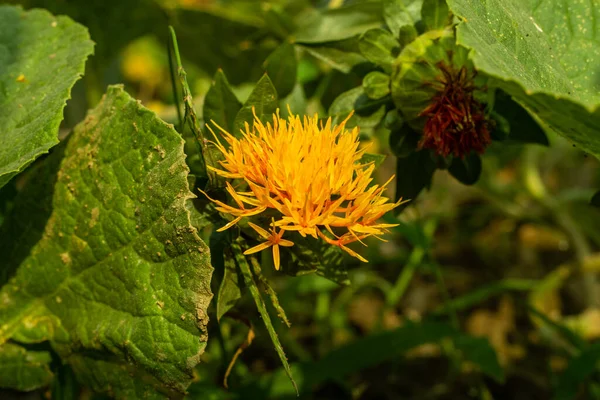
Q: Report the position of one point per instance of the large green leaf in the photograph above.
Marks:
(24, 370)
(120, 280)
(339, 23)
(543, 53)
(41, 57)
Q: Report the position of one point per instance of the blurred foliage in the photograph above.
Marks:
(485, 291)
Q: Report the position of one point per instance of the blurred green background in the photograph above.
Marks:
(484, 291)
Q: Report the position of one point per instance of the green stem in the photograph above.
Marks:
(174, 85)
(447, 299)
(246, 272)
(414, 260)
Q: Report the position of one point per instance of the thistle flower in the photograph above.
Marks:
(301, 176)
(456, 122)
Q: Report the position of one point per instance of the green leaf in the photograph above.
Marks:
(263, 99)
(314, 256)
(376, 85)
(282, 67)
(404, 141)
(435, 14)
(246, 272)
(339, 23)
(343, 55)
(220, 104)
(377, 159)
(482, 354)
(223, 258)
(402, 13)
(368, 113)
(521, 125)
(595, 201)
(25, 224)
(41, 58)
(24, 370)
(413, 174)
(579, 369)
(120, 281)
(379, 47)
(544, 54)
(467, 170)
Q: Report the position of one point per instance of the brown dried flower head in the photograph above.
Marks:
(456, 122)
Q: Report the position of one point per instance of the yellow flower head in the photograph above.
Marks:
(307, 174)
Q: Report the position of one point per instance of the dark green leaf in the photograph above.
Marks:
(435, 14)
(379, 47)
(595, 201)
(41, 58)
(229, 290)
(246, 272)
(263, 99)
(24, 370)
(339, 23)
(343, 55)
(466, 170)
(376, 85)
(407, 35)
(413, 174)
(282, 67)
(119, 282)
(580, 368)
(544, 54)
(24, 226)
(368, 113)
(220, 104)
(377, 159)
(309, 255)
(402, 13)
(404, 141)
(482, 354)
(522, 127)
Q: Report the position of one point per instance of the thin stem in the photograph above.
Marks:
(414, 260)
(449, 306)
(174, 85)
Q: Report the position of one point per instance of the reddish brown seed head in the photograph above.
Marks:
(456, 122)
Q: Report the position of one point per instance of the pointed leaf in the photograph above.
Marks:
(376, 85)
(220, 104)
(41, 57)
(379, 47)
(263, 99)
(120, 280)
(282, 67)
(246, 272)
(435, 14)
(402, 13)
(579, 369)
